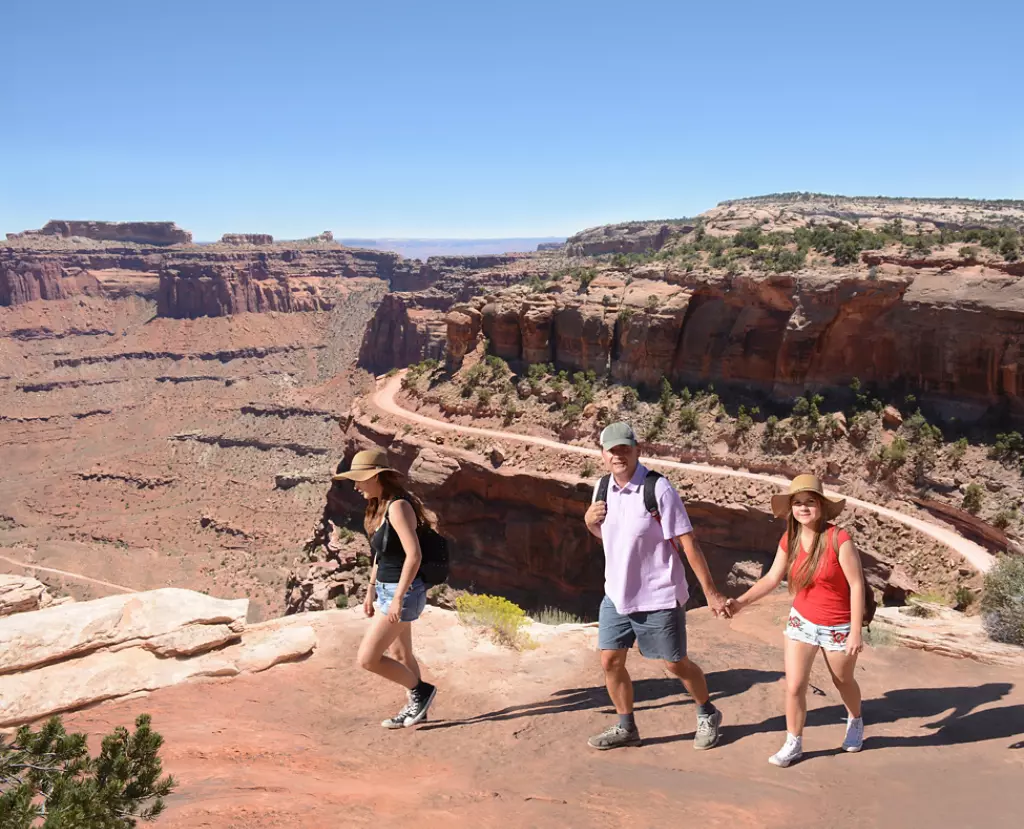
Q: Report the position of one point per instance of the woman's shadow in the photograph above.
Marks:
(962, 723)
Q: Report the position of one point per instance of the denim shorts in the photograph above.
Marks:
(660, 634)
(413, 603)
(831, 638)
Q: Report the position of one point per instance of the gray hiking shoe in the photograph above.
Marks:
(615, 736)
(708, 731)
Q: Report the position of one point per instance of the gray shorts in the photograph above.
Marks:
(661, 634)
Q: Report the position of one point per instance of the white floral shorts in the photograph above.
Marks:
(831, 638)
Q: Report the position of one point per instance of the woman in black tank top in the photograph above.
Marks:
(391, 520)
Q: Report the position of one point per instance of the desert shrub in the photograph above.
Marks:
(689, 420)
(963, 598)
(744, 422)
(1002, 603)
(510, 413)
(666, 398)
(629, 398)
(685, 395)
(49, 779)
(973, 497)
(341, 601)
(968, 252)
(656, 427)
(625, 315)
(894, 455)
(572, 413)
(583, 386)
(652, 302)
(588, 470)
(919, 430)
(956, 452)
(1004, 518)
(503, 620)
(499, 368)
(554, 616)
(391, 372)
(1009, 446)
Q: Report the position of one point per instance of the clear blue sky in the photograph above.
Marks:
(495, 118)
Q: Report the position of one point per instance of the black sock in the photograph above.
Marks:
(422, 689)
(707, 709)
(627, 721)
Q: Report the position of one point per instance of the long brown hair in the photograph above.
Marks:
(391, 484)
(802, 577)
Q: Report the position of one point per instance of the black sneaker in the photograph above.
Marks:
(418, 704)
(398, 721)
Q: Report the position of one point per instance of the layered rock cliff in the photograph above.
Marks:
(143, 233)
(953, 338)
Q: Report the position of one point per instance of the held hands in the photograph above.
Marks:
(854, 643)
(595, 513)
(734, 606)
(368, 604)
(719, 605)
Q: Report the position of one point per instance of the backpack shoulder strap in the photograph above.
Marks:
(602, 489)
(650, 493)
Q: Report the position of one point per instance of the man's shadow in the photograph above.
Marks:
(649, 694)
(962, 723)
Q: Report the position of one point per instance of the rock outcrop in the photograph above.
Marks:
(247, 239)
(21, 594)
(628, 237)
(405, 329)
(61, 658)
(143, 233)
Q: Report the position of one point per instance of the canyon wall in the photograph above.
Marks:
(955, 339)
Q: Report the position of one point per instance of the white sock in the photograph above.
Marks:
(792, 738)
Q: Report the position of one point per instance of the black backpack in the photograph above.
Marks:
(697, 598)
(433, 548)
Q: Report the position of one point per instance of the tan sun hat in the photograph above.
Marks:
(831, 507)
(365, 465)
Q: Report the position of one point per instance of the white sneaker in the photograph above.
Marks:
(854, 734)
(791, 751)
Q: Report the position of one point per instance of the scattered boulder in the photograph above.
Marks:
(891, 417)
(22, 594)
(496, 455)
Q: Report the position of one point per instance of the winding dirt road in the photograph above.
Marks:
(976, 555)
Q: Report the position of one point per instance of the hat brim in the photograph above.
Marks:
(360, 474)
(618, 442)
(831, 507)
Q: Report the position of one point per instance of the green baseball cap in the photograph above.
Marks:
(617, 434)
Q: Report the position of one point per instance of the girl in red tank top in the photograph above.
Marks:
(821, 565)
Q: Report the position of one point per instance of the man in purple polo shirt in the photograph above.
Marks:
(645, 588)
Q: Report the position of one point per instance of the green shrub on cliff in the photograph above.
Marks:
(1002, 603)
(48, 778)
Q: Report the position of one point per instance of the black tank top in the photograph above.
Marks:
(390, 558)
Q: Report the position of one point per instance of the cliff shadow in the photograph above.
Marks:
(649, 694)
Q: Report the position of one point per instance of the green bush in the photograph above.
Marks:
(973, 497)
(689, 420)
(895, 454)
(667, 398)
(1004, 518)
(48, 778)
(744, 422)
(341, 601)
(502, 619)
(957, 451)
(1002, 603)
(629, 398)
(657, 426)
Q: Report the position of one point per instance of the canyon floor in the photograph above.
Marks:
(506, 743)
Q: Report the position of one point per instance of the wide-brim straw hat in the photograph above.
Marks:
(781, 503)
(365, 465)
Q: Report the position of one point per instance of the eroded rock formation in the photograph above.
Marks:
(143, 233)
(61, 658)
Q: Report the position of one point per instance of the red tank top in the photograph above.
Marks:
(826, 600)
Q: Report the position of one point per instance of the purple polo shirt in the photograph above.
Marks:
(642, 570)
